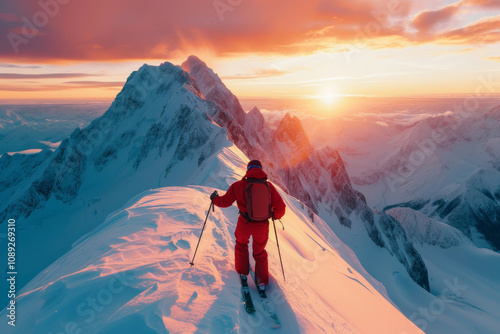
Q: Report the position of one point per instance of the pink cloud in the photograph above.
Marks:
(428, 20)
(482, 3)
(112, 30)
(484, 31)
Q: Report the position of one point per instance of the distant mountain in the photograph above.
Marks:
(445, 164)
(41, 126)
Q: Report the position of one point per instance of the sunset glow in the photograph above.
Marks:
(86, 50)
(329, 96)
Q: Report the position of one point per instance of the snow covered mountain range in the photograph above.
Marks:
(445, 164)
(30, 127)
(112, 204)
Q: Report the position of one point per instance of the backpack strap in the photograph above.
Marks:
(245, 215)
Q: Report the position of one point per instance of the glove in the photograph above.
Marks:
(214, 194)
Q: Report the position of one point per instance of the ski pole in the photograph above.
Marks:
(279, 253)
(210, 207)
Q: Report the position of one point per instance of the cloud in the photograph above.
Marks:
(114, 30)
(9, 17)
(161, 29)
(65, 86)
(493, 58)
(261, 73)
(4, 65)
(44, 75)
(483, 31)
(482, 3)
(428, 20)
(95, 84)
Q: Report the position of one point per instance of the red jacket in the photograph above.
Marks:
(236, 192)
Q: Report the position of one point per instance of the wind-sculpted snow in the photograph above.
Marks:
(131, 274)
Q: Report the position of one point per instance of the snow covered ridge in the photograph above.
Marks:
(132, 275)
(424, 230)
(164, 132)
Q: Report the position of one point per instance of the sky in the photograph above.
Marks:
(78, 50)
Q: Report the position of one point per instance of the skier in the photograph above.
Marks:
(253, 221)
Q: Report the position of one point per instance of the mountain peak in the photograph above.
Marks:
(290, 129)
(212, 88)
(191, 62)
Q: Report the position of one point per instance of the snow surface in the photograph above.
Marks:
(132, 274)
(464, 278)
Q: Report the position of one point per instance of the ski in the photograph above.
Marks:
(266, 305)
(245, 291)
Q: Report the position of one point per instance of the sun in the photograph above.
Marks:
(328, 96)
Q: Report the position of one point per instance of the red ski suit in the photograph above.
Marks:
(258, 230)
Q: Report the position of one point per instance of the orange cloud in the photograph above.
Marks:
(261, 73)
(493, 58)
(482, 3)
(113, 30)
(44, 75)
(484, 31)
(428, 20)
(58, 87)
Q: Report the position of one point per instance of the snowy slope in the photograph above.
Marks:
(464, 278)
(132, 274)
(18, 167)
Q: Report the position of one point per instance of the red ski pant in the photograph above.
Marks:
(259, 233)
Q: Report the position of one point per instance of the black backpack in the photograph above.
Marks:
(258, 195)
